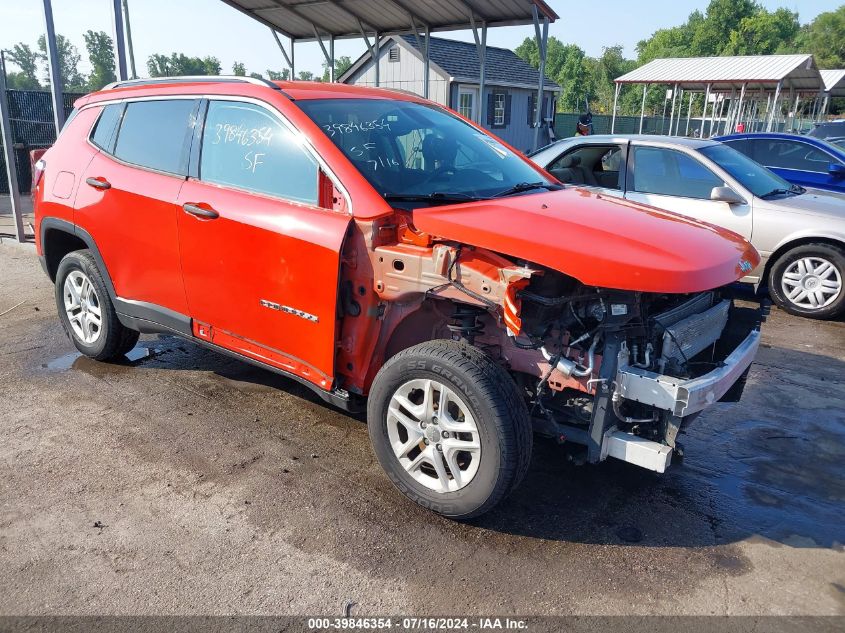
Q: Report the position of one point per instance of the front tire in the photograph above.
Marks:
(449, 427)
(809, 281)
(86, 311)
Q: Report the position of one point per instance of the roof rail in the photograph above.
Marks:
(192, 79)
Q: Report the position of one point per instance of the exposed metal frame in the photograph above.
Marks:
(288, 58)
(9, 152)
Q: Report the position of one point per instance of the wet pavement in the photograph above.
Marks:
(181, 481)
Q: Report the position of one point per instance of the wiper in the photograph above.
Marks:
(777, 192)
(527, 186)
(437, 196)
(797, 190)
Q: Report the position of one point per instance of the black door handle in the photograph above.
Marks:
(208, 214)
(98, 183)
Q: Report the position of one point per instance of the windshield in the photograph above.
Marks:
(418, 153)
(828, 130)
(750, 174)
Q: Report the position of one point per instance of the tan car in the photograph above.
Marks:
(800, 233)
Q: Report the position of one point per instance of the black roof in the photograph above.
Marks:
(460, 59)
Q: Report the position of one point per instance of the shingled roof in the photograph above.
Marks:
(460, 60)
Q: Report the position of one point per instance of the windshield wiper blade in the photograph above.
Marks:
(437, 196)
(527, 186)
(777, 192)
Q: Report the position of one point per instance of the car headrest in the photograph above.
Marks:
(570, 161)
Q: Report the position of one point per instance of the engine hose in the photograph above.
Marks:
(616, 399)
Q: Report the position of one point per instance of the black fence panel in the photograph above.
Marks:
(31, 114)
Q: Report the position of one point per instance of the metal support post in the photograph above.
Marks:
(481, 49)
(543, 48)
(672, 114)
(119, 42)
(615, 101)
(130, 52)
(288, 58)
(56, 89)
(774, 106)
(642, 107)
(9, 152)
(689, 112)
(704, 113)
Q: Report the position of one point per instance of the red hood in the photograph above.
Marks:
(605, 242)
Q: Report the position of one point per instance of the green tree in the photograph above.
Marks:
(824, 37)
(256, 75)
(341, 65)
(101, 55)
(764, 33)
(68, 62)
(282, 75)
(722, 17)
(239, 69)
(27, 60)
(180, 64)
(305, 75)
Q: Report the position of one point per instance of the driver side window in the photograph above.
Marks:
(668, 172)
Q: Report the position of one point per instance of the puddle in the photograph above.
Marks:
(73, 360)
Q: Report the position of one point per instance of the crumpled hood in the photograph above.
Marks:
(605, 242)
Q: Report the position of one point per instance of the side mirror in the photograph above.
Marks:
(726, 194)
(836, 170)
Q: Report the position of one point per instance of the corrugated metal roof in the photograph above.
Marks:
(298, 18)
(693, 73)
(834, 82)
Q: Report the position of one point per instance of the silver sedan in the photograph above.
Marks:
(799, 232)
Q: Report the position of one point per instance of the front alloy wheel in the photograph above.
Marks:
(450, 428)
(433, 435)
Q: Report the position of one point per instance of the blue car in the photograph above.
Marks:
(802, 160)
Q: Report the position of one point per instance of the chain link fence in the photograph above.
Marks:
(31, 115)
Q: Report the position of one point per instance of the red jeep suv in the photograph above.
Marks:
(382, 249)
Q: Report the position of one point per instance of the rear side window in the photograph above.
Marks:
(153, 134)
(245, 146)
(103, 132)
(785, 154)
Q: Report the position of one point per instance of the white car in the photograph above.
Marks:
(800, 233)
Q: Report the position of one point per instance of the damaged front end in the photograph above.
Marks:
(623, 372)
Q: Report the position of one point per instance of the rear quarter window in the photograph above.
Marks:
(103, 133)
(153, 134)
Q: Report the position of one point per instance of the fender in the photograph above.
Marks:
(145, 317)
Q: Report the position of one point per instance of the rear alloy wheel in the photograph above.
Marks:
(449, 427)
(810, 281)
(86, 311)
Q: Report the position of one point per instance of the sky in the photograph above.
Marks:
(210, 27)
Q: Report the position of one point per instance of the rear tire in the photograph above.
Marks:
(86, 310)
(809, 281)
(449, 427)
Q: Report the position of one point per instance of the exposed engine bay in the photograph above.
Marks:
(617, 372)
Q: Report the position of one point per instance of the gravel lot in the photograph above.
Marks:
(182, 482)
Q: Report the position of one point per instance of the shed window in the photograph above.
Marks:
(499, 109)
(393, 54)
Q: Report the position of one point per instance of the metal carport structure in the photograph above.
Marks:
(324, 21)
(746, 82)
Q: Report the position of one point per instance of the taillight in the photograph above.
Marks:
(38, 172)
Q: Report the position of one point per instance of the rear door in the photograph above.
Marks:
(128, 197)
(676, 181)
(260, 258)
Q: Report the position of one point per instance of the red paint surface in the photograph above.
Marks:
(599, 241)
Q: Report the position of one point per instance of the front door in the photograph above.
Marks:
(260, 259)
(673, 180)
(796, 161)
(468, 102)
